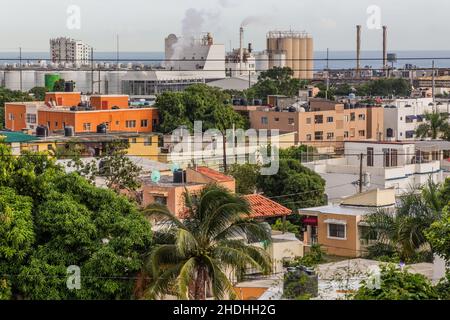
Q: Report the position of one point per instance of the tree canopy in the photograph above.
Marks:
(50, 220)
(196, 103)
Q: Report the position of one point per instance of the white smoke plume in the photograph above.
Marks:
(255, 20)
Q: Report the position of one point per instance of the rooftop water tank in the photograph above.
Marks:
(101, 128)
(69, 131)
(41, 131)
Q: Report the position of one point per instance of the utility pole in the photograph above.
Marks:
(20, 66)
(433, 82)
(361, 156)
(92, 70)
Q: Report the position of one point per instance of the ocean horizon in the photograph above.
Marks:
(336, 59)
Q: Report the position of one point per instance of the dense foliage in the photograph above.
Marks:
(397, 284)
(435, 126)
(276, 81)
(50, 220)
(197, 103)
(246, 176)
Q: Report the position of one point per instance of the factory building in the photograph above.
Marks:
(291, 49)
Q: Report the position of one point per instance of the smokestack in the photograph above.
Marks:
(358, 50)
(384, 47)
(250, 49)
(241, 48)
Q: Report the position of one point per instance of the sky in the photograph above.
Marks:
(142, 25)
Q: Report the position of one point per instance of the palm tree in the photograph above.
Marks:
(436, 125)
(404, 230)
(194, 254)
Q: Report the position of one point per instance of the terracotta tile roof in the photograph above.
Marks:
(213, 174)
(262, 207)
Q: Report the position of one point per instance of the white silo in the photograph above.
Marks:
(262, 61)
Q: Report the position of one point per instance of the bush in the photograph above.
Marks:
(287, 226)
(298, 285)
(315, 256)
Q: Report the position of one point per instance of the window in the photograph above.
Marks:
(11, 117)
(154, 122)
(308, 137)
(362, 117)
(86, 127)
(330, 135)
(56, 124)
(318, 135)
(31, 118)
(130, 124)
(291, 121)
(264, 120)
(352, 116)
(394, 157)
(161, 200)
(318, 119)
(144, 123)
(147, 141)
(48, 124)
(308, 120)
(336, 231)
(117, 123)
(370, 157)
(386, 156)
(362, 133)
(277, 119)
(330, 119)
(133, 140)
(345, 134)
(346, 118)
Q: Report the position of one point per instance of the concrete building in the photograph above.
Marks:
(295, 49)
(321, 123)
(340, 228)
(67, 50)
(61, 110)
(385, 164)
(403, 116)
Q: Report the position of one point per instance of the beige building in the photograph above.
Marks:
(326, 123)
(340, 228)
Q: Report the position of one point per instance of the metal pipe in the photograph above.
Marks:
(241, 48)
(358, 50)
(385, 47)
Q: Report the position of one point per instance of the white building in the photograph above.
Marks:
(398, 165)
(403, 116)
(67, 50)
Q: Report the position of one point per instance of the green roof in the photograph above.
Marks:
(16, 137)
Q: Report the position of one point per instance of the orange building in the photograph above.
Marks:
(61, 110)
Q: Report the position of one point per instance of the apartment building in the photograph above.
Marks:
(68, 109)
(403, 116)
(67, 50)
(385, 164)
(322, 123)
(340, 228)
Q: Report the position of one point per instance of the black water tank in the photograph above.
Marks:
(236, 102)
(41, 131)
(69, 86)
(257, 102)
(69, 131)
(179, 176)
(244, 102)
(277, 109)
(101, 128)
(115, 107)
(73, 108)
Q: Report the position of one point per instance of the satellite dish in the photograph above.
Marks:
(156, 176)
(174, 167)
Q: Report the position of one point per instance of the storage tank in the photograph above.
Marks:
(262, 61)
(101, 128)
(310, 57)
(50, 80)
(41, 131)
(302, 54)
(279, 60)
(69, 131)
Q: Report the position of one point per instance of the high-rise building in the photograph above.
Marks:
(291, 49)
(69, 50)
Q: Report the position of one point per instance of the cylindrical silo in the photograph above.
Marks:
(262, 61)
(303, 62)
(296, 56)
(288, 43)
(310, 57)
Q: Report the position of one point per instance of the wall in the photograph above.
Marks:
(139, 148)
(67, 99)
(346, 248)
(107, 102)
(19, 112)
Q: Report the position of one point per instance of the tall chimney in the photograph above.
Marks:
(384, 47)
(241, 48)
(358, 50)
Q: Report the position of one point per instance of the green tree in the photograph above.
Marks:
(39, 93)
(385, 87)
(50, 220)
(275, 81)
(294, 186)
(246, 176)
(59, 86)
(113, 164)
(439, 235)
(212, 239)
(404, 231)
(397, 285)
(435, 126)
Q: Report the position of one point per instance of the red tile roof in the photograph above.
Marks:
(262, 207)
(213, 174)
